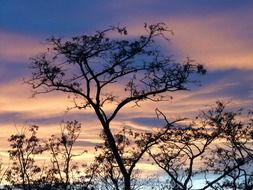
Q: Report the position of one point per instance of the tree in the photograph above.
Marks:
(26, 172)
(60, 148)
(218, 140)
(131, 146)
(63, 167)
(89, 66)
(24, 147)
(233, 158)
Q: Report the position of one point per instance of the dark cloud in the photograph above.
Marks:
(10, 71)
(233, 83)
(9, 117)
(239, 82)
(83, 143)
(148, 122)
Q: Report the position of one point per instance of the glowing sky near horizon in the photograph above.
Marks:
(217, 34)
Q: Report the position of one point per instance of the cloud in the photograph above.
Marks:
(232, 85)
(148, 121)
(217, 41)
(19, 48)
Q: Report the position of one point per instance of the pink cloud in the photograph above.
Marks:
(16, 47)
(219, 42)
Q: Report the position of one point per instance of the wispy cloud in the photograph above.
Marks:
(218, 41)
(19, 48)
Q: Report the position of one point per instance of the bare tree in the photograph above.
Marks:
(89, 66)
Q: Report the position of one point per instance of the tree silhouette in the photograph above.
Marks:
(131, 146)
(60, 171)
(216, 143)
(61, 150)
(98, 70)
(24, 147)
(233, 157)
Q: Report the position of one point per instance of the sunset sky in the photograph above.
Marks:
(217, 34)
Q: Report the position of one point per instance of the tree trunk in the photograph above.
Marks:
(113, 146)
(127, 182)
(118, 158)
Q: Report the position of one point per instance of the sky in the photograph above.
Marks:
(217, 34)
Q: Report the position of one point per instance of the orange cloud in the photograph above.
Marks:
(16, 97)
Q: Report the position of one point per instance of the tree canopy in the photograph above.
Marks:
(89, 66)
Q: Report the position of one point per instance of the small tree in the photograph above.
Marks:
(24, 147)
(89, 66)
(61, 150)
